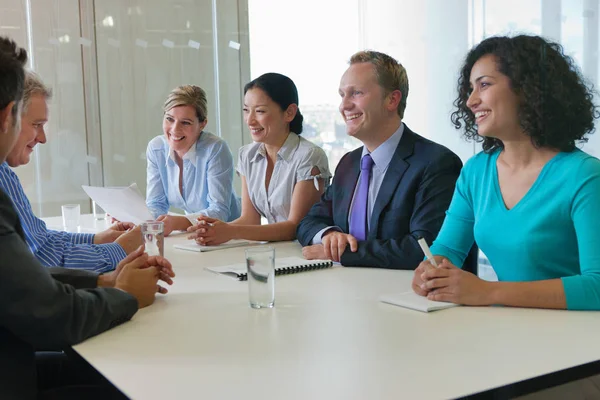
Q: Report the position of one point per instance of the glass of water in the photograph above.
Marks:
(261, 276)
(71, 216)
(153, 237)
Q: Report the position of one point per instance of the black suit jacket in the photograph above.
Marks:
(411, 203)
(38, 311)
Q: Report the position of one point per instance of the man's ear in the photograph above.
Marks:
(394, 99)
(6, 121)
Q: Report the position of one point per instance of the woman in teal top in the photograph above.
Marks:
(531, 199)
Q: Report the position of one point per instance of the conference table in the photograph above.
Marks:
(329, 337)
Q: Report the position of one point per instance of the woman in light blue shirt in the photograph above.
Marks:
(531, 199)
(189, 168)
(283, 174)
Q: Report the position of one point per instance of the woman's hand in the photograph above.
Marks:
(211, 231)
(418, 280)
(174, 223)
(451, 284)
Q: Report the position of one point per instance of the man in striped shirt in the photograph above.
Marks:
(100, 252)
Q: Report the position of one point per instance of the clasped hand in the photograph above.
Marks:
(138, 274)
(449, 283)
(210, 231)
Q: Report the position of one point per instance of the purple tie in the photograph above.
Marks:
(358, 217)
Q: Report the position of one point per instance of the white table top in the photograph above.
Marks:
(327, 337)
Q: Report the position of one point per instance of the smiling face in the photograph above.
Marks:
(32, 131)
(493, 101)
(268, 123)
(363, 104)
(182, 128)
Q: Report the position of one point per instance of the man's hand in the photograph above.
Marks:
(174, 223)
(162, 264)
(335, 243)
(314, 252)
(130, 240)
(140, 276)
(112, 233)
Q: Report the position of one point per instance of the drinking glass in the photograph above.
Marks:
(153, 237)
(261, 276)
(71, 216)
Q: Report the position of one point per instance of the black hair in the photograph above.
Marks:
(12, 73)
(282, 91)
(556, 104)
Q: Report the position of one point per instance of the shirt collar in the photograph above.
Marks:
(382, 155)
(189, 155)
(286, 152)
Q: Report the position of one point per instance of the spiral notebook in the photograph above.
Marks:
(283, 266)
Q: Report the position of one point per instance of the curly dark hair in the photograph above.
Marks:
(556, 104)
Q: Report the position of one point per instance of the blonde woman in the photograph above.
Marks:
(189, 168)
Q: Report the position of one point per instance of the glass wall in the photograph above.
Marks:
(111, 64)
(429, 37)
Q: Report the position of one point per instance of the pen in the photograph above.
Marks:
(427, 252)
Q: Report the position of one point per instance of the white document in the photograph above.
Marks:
(123, 203)
(415, 302)
(193, 246)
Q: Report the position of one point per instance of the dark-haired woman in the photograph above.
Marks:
(283, 174)
(531, 199)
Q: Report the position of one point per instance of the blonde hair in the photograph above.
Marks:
(390, 74)
(34, 86)
(188, 95)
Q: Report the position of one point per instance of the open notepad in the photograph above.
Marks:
(283, 266)
(415, 302)
(193, 246)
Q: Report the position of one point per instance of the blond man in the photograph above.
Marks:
(391, 191)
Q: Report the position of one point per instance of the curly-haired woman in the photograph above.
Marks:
(531, 199)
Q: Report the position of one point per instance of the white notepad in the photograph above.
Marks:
(415, 302)
(283, 266)
(193, 246)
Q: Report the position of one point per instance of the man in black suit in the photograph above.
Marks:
(40, 308)
(388, 193)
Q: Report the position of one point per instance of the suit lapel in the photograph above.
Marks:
(349, 179)
(392, 178)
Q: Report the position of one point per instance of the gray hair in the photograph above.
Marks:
(34, 86)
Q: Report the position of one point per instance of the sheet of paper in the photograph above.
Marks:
(413, 301)
(193, 246)
(123, 203)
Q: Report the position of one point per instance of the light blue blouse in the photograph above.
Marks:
(551, 233)
(207, 179)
